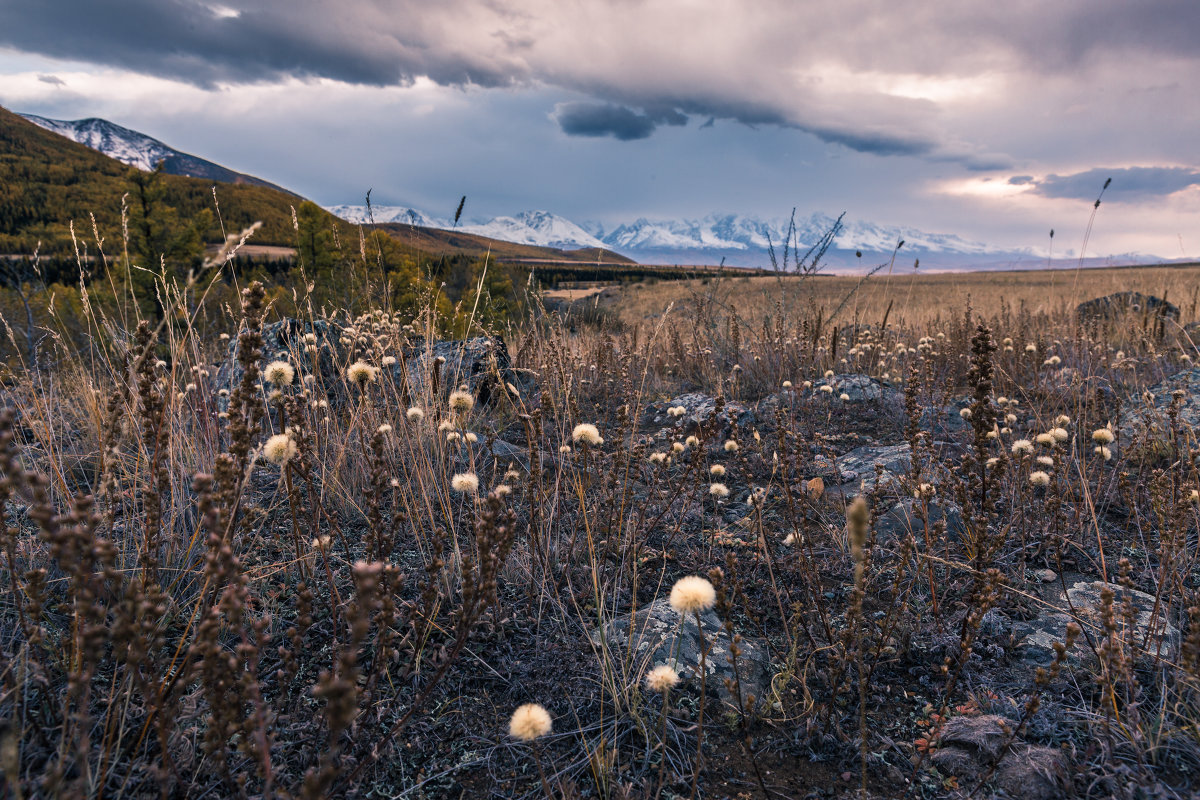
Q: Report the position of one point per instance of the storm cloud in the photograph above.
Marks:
(1129, 184)
(619, 122)
(638, 63)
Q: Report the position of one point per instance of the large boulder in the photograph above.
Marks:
(659, 637)
(1153, 637)
(1126, 304)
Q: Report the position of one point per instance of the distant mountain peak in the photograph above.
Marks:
(141, 151)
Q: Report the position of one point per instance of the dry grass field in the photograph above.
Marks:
(918, 299)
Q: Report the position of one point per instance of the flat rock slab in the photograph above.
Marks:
(1152, 634)
(661, 637)
(969, 746)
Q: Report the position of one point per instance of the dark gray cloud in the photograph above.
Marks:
(53, 80)
(619, 122)
(1021, 180)
(1130, 184)
(737, 62)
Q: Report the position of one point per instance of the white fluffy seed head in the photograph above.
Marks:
(692, 594)
(661, 679)
(529, 722)
(360, 373)
(718, 490)
(414, 415)
(587, 433)
(465, 482)
(1103, 436)
(1039, 478)
(731, 446)
(279, 449)
(716, 470)
(1060, 434)
(279, 373)
(461, 402)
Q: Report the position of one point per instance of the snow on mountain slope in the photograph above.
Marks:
(141, 151)
(740, 239)
(540, 228)
(386, 214)
(125, 145)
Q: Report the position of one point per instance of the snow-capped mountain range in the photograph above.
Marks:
(139, 150)
(539, 228)
(739, 239)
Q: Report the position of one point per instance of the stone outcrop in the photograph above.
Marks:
(659, 637)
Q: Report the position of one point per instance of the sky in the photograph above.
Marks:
(994, 121)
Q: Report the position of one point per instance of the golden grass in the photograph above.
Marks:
(917, 299)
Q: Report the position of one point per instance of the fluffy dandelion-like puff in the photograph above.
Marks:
(465, 482)
(279, 449)
(692, 594)
(279, 373)
(529, 722)
(587, 433)
(461, 402)
(360, 373)
(662, 679)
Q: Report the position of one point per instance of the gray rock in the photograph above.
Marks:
(859, 465)
(480, 364)
(968, 747)
(477, 363)
(945, 420)
(860, 389)
(1146, 426)
(903, 519)
(1152, 634)
(284, 340)
(660, 638)
(1122, 304)
(701, 413)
